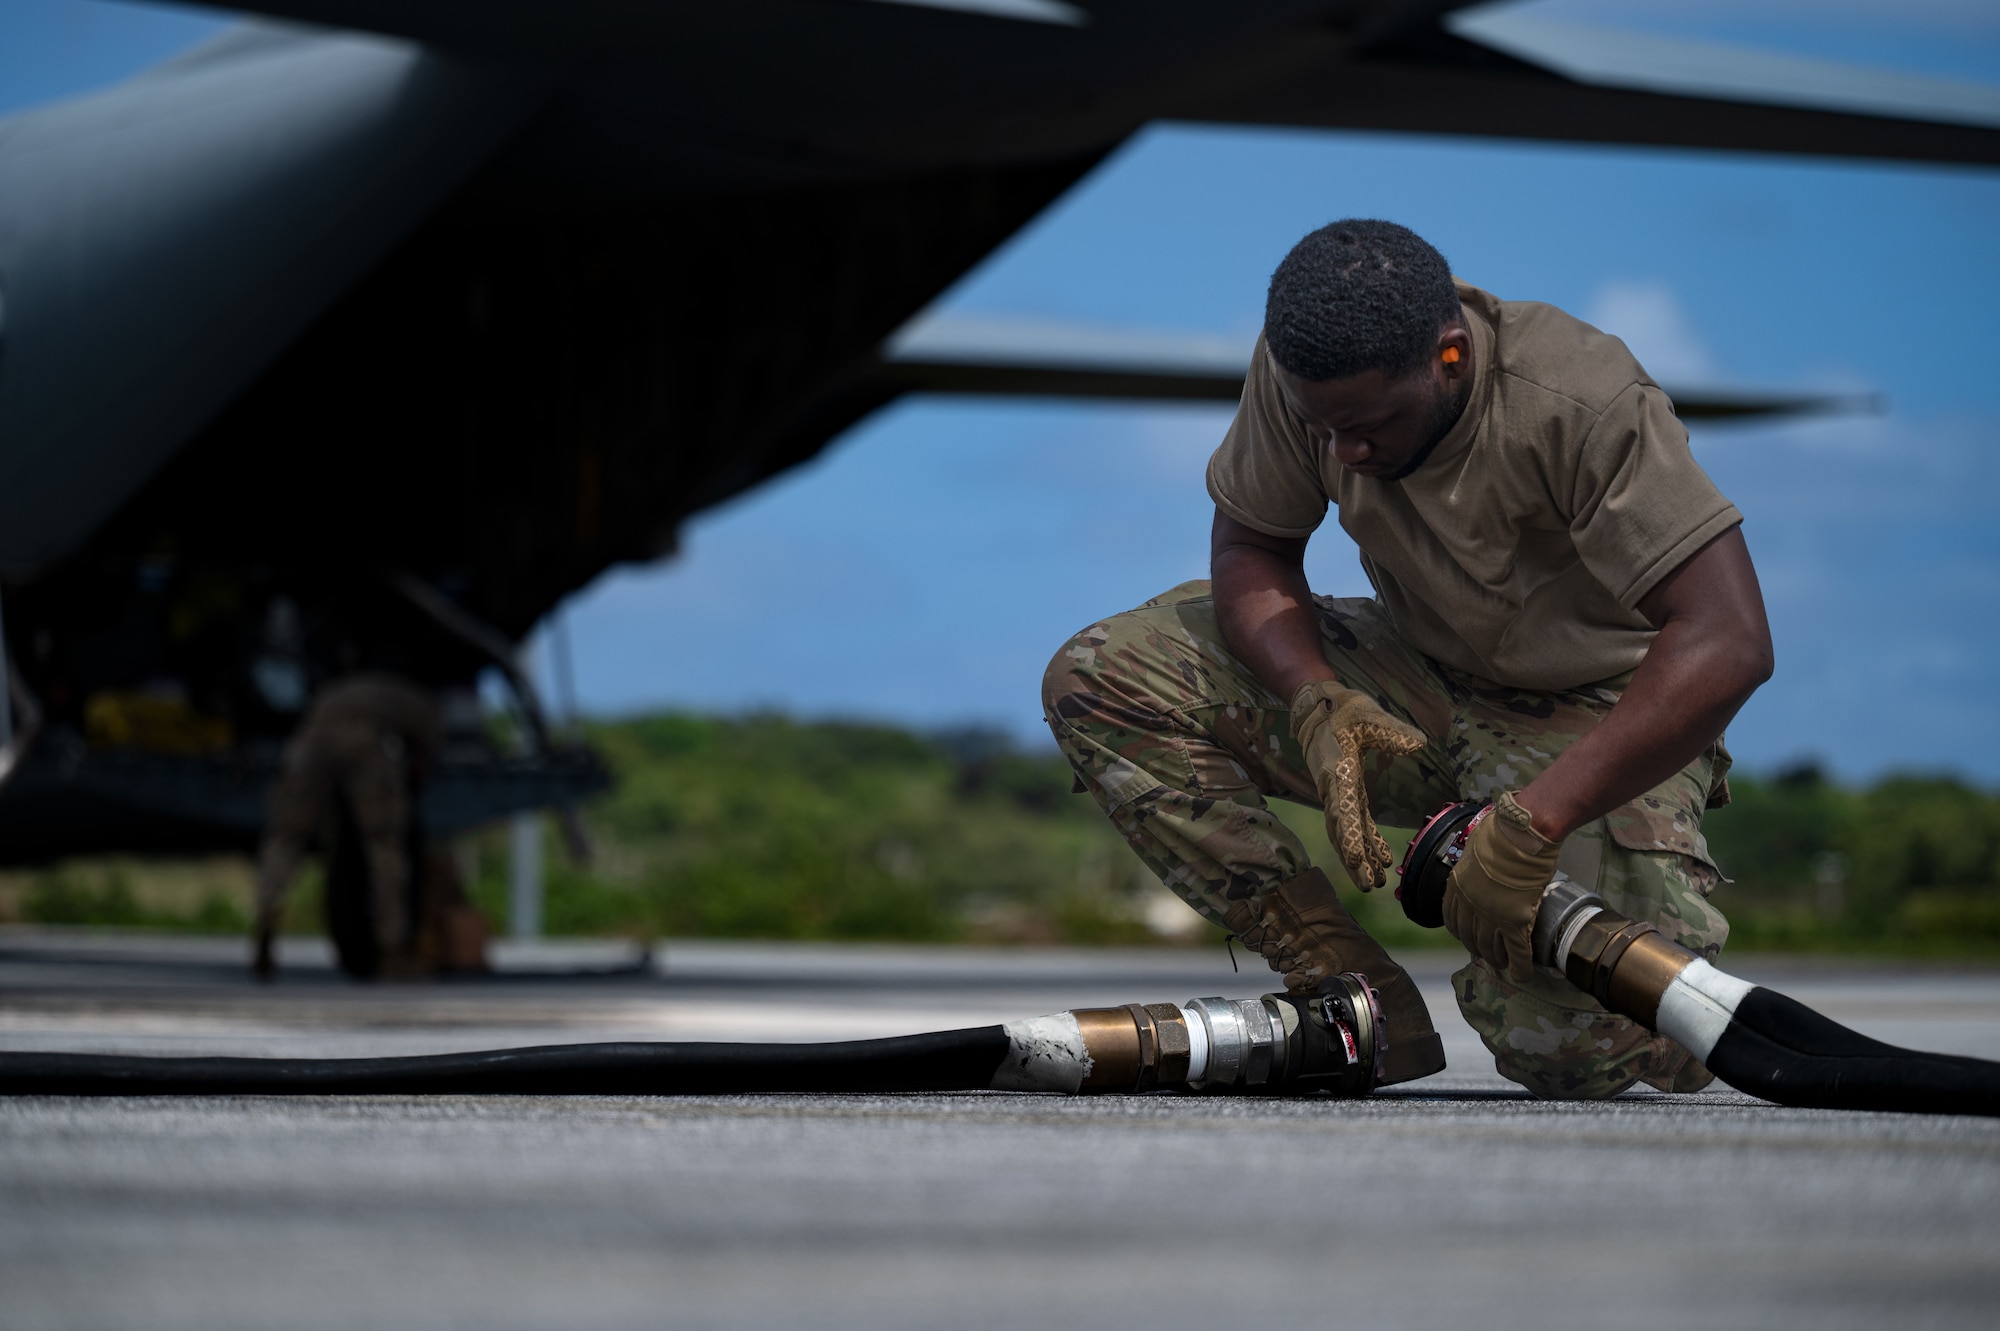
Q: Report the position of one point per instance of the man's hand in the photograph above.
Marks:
(1491, 898)
(1266, 614)
(1336, 727)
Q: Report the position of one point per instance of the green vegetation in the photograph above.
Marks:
(1910, 864)
(764, 827)
(202, 896)
(768, 828)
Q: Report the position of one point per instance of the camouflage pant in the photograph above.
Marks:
(368, 767)
(1180, 744)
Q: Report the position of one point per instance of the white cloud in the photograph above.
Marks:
(1649, 317)
(1178, 443)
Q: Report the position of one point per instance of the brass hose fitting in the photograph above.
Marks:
(1138, 1047)
(1623, 963)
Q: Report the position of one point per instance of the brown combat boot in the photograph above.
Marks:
(1307, 936)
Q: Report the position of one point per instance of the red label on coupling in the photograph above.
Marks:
(1347, 1042)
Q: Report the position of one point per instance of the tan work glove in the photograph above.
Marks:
(1335, 727)
(1491, 897)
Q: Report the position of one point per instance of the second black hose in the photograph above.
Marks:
(941, 1061)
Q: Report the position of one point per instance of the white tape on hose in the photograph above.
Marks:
(1197, 1028)
(1043, 1054)
(1697, 1006)
(1569, 933)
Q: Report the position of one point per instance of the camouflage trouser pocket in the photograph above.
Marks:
(1656, 864)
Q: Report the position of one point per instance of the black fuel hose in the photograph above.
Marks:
(1755, 1039)
(1780, 1049)
(1330, 1043)
(941, 1061)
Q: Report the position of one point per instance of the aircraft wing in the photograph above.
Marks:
(983, 356)
(974, 356)
(1427, 66)
(1491, 71)
(537, 29)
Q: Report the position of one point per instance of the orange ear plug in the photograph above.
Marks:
(1450, 356)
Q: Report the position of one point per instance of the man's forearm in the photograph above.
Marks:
(1713, 650)
(1679, 701)
(1265, 610)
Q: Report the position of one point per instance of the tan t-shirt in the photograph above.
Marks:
(1520, 549)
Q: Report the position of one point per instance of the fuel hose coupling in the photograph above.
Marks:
(1753, 1038)
(1627, 965)
(1280, 1044)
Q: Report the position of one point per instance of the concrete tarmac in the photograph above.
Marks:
(1456, 1201)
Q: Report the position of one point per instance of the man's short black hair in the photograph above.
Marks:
(1358, 295)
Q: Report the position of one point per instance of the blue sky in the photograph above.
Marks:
(928, 564)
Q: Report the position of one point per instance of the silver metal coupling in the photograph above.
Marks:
(1566, 905)
(1291, 1043)
(1243, 1036)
